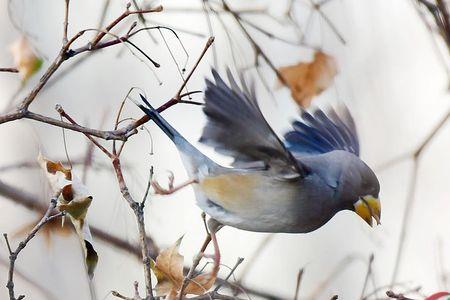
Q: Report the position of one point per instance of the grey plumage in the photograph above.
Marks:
(237, 127)
(304, 182)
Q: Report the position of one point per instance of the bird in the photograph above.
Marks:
(291, 185)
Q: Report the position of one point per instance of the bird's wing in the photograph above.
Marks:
(321, 132)
(237, 127)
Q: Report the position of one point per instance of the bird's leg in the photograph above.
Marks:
(159, 190)
(214, 226)
(211, 229)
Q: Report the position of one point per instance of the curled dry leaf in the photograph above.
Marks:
(168, 269)
(306, 80)
(25, 59)
(74, 200)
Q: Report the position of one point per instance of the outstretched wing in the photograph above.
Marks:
(322, 132)
(237, 127)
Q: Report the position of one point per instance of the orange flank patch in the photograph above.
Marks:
(231, 191)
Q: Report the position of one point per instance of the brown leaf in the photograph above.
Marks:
(75, 201)
(306, 80)
(91, 258)
(168, 270)
(53, 167)
(67, 192)
(201, 283)
(75, 198)
(25, 59)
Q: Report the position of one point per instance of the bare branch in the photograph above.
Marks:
(14, 254)
(238, 262)
(66, 21)
(411, 197)
(32, 202)
(256, 47)
(299, 279)
(10, 70)
(208, 44)
(136, 293)
(61, 111)
(125, 14)
(393, 295)
(368, 274)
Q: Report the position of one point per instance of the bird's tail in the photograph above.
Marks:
(160, 121)
(192, 157)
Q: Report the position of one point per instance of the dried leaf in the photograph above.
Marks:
(306, 80)
(25, 59)
(91, 256)
(168, 270)
(201, 283)
(74, 200)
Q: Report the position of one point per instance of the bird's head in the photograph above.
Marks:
(360, 190)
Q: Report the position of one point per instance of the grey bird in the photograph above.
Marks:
(292, 186)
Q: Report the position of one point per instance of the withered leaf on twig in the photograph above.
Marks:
(168, 269)
(74, 200)
(25, 59)
(309, 79)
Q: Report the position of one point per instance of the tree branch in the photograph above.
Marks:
(14, 254)
(10, 70)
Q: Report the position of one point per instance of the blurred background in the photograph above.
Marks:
(392, 74)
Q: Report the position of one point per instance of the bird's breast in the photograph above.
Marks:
(250, 201)
(258, 201)
(232, 191)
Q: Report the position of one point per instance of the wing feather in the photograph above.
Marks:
(236, 126)
(321, 132)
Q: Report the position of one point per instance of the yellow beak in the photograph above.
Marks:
(368, 207)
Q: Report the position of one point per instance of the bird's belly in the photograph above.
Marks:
(249, 201)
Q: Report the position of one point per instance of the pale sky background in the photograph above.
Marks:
(390, 76)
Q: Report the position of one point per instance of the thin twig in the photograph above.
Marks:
(33, 203)
(66, 21)
(210, 30)
(147, 189)
(368, 274)
(10, 70)
(125, 14)
(195, 263)
(143, 21)
(255, 255)
(335, 272)
(327, 20)
(238, 262)
(14, 254)
(250, 11)
(64, 54)
(61, 111)
(214, 295)
(137, 209)
(139, 213)
(411, 197)
(256, 47)
(393, 295)
(299, 280)
(209, 42)
(136, 296)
